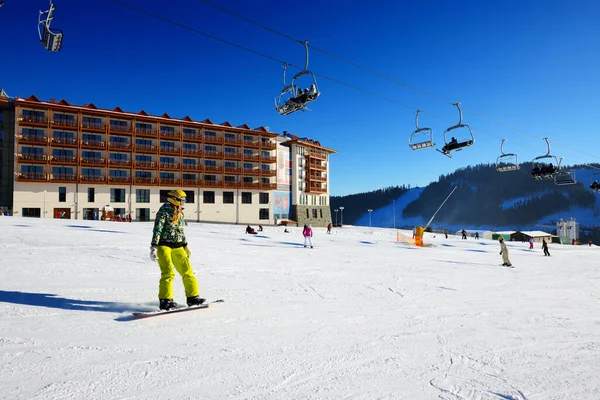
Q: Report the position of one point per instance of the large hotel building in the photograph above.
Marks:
(62, 160)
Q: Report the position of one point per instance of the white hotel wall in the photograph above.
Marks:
(32, 195)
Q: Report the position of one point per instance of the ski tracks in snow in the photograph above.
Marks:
(469, 378)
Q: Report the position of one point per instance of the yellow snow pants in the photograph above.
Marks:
(169, 258)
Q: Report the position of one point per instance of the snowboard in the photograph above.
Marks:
(156, 313)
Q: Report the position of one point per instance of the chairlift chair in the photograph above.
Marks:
(507, 161)
(52, 41)
(457, 145)
(564, 177)
(290, 100)
(422, 138)
(546, 166)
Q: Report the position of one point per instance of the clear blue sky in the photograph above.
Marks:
(533, 65)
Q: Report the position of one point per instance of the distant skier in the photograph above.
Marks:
(530, 243)
(504, 252)
(545, 247)
(169, 247)
(464, 234)
(308, 233)
(329, 227)
(476, 235)
(445, 233)
(590, 242)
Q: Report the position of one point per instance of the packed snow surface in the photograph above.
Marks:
(360, 316)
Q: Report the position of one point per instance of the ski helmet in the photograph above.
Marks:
(176, 197)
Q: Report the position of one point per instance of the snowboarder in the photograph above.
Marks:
(504, 252)
(307, 232)
(545, 247)
(169, 247)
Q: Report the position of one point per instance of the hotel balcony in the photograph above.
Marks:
(93, 144)
(317, 178)
(192, 152)
(33, 120)
(268, 186)
(145, 181)
(252, 171)
(269, 145)
(252, 143)
(268, 172)
(63, 160)
(33, 139)
(191, 182)
(93, 162)
(251, 185)
(92, 179)
(89, 127)
(232, 141)
(119, 163)
(316, 166)
(316, 189)
(213, 154)
(169, 181)
(65, 124)
(237, 155)
(64, 142)
(213, 140)
(213, 184)
(144, 148)
(169, 150)
(232, 170)
(170, 135)
(169, 166)
(145, 164)
(251, 157)
(123, 146)
(232, 184)
(119, 180)
(213, 168)
(63, 177)
(121, 130)
(318, 155)
(32, 158)
(31, 177)
(193, 167)
(268, 159)
(151, 133)
(193, 137)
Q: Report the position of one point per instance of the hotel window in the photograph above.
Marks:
(189, 147)
(248, 152)
(32, 151)
(32, 115)
(229, 178)
(143, 128)
(210, 163)
(229, 135)
(248, 179)
(263, 198)
(62, 194)
(88, 172)
(211, 178)
(91, 122)
(189, 196)
(64, 119)
(142, 195)
(63, 136)
(230, 164)
(208, 197)
(210, 148)
(190, 162)
(143, 174)
(167, 175)
(230, 151)
(169, 161)
(62, 153)
(144, 142)
(87, 138)
(117, 195)
(118, 139)
(34, 134)
(190, 177)
(63, 172)
(263, 213)
(265, 154)
(118, 156)
(246, 198)
(117, 125)
(227, 197)
(32, 169)
(167, 145)
(248, 166)
(117, 173)
(314, 212)
(143, 158)
(91, 195)
(189, 131)
(167, 130)
(210, 135)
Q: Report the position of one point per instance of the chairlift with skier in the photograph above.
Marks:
(507, 161)
(52, 41)
(422, 138)
(454, 144)
(546, 166)
(293, 98)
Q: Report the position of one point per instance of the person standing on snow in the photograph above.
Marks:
(545, 247)
(504, 252)
(530, 243)
(307, 232)
(169, 247)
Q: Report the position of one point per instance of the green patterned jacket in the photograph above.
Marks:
(165, 232)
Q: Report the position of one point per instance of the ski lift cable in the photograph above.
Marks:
(381, 75)
(333, 80)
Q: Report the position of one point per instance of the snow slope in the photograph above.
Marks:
(357, 317)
